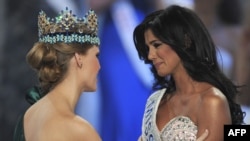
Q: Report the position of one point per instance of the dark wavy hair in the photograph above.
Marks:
(185, 33)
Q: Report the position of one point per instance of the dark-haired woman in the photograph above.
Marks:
(191, 92)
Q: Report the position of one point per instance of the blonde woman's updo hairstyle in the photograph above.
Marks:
(59, 39)
(50, 61)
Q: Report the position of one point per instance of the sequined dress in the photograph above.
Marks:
(180, 128)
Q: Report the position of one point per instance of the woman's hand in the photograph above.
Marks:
(203, 136)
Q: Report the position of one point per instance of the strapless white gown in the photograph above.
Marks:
(180, 128)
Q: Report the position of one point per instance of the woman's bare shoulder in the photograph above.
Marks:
(214, 113)
(213, 98)
(70, 128)
(82, 130)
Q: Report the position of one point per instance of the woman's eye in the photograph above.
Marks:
(156, 45)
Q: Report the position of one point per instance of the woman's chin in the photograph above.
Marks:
(161, 74)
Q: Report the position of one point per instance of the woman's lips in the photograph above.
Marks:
(157, 65)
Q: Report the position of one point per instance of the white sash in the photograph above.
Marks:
(149, 127)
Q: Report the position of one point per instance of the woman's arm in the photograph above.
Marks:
(213, 114)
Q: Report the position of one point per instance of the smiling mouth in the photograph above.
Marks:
(157, 65)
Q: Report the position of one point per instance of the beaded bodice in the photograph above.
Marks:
(180, 128)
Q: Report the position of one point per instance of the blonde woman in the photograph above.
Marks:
(66, 61)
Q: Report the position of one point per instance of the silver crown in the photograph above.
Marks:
(68, 28)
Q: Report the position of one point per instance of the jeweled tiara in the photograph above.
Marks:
(68, 28)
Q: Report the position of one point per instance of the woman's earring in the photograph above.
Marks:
(80, 65)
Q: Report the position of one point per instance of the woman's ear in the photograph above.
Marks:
(78, 58)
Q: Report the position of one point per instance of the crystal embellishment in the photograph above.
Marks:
(67, 28)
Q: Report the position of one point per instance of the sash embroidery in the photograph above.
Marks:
(149, 129)
(148, 120)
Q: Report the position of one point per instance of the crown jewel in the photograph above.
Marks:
(68, 28)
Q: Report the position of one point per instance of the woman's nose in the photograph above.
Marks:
(151, 53)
